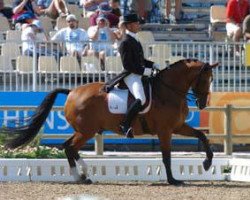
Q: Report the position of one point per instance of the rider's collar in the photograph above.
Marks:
(132, 34)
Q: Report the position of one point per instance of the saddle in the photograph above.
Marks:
(119, 97)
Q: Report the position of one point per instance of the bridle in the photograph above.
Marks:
(195, 95)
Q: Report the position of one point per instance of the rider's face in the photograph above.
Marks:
(134, 27)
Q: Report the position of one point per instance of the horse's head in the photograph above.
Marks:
(201, 84)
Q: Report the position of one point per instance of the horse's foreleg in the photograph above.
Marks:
(189, 131)
(165, 142)
(72, 146)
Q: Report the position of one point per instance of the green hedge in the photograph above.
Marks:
(34, 150)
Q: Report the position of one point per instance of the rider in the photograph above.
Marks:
(134, 62)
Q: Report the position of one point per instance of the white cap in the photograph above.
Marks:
(100, 17)
(38, 24)
(71, 17)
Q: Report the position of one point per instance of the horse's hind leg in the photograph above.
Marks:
(72, 146)
(189, 131)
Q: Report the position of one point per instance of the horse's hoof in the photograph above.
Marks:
(83, 177)
(207, 164)
(87, 181)
(175, 182)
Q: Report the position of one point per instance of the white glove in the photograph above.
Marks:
(154, 72)
(156, 66)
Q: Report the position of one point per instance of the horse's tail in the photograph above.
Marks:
(25, 134)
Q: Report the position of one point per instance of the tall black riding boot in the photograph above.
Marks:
(132, 111)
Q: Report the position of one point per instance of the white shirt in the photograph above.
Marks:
(74, 38)
(133, 35)
(103, 37)
(28, 37)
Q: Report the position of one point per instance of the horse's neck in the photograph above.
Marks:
(173, 82)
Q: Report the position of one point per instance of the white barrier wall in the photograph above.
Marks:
(240, 169)
(108, 169)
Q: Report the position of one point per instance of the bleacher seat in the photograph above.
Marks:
(146, 38)
(47, 64)
(161, 50)
(5, 64)
(24, 64)
(10, 51)
(90, 64)
(247, 55)
(218, 14)
(75, 9)
(5, 26)
(69, 64)
(8, 3)
(84, 23)
(46, 23)
(13, 35)
(61, 23)
(113, 64)
(217, 24)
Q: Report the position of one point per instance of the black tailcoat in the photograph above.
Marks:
(132, 56)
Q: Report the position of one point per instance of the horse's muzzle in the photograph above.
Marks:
(201, 104)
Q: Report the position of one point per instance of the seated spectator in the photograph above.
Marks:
(177, 10)
(32, 46)
(90, 6)
(5, 11)
(236, 11)
(120, 31)
(246, 28)
(142, 8)
(74, 37)
(104, 9)
(29, 37)
(24, 12)
(103, 38)
(115, 5)
(53, 8)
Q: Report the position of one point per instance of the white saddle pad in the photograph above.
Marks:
(118, 101)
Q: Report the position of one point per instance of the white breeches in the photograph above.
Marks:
(134, 83)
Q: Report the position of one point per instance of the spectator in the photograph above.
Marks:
(53, 9)
(74, 37)
(29, 38)
(236, 11)
(5, 11)
(24, 12)
(177, 10)
(103, 34)
(121, 31)
(90, 6)
(246, 28)
(142, 8)
(104, 9)
(115, 5)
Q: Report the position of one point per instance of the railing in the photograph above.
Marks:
(27, 74)
(227, 136)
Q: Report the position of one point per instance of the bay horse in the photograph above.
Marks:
(87, 112)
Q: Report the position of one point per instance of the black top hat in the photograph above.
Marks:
(130, 18)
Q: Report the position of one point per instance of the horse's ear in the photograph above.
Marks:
(214, 65)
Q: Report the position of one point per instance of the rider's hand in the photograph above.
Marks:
(155, 69)
(156, 66)
(154, 72)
